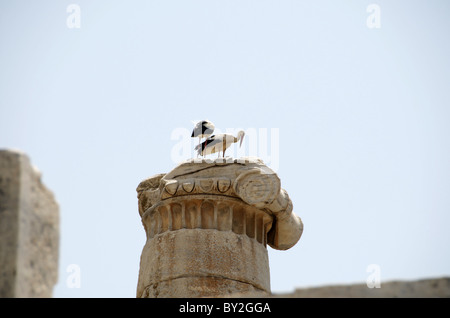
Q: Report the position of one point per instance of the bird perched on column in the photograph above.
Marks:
(203, 129)
(218, 143)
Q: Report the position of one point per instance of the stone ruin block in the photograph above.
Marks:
(29, 230)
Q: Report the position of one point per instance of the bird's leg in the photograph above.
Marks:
(224, 147)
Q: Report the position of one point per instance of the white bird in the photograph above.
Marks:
(218, 143)
(203, 129)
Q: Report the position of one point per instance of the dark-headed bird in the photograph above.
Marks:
(218, 143)
(203, 129)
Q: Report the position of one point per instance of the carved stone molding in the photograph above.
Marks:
(205, 212)
(248, 180)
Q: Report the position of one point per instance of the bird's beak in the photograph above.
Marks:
(242, 139)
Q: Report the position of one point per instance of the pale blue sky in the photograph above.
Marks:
(363, 119)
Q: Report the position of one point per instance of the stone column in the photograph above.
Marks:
(29, 230)
(208, 225)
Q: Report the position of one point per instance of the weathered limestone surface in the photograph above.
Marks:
(208, 224)
(29, 230)
(206, 262)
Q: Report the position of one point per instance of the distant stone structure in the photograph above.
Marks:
(29, 230)
(208, 224)
(423, 288)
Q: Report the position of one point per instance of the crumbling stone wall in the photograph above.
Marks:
(423, 288)
(29, 230)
